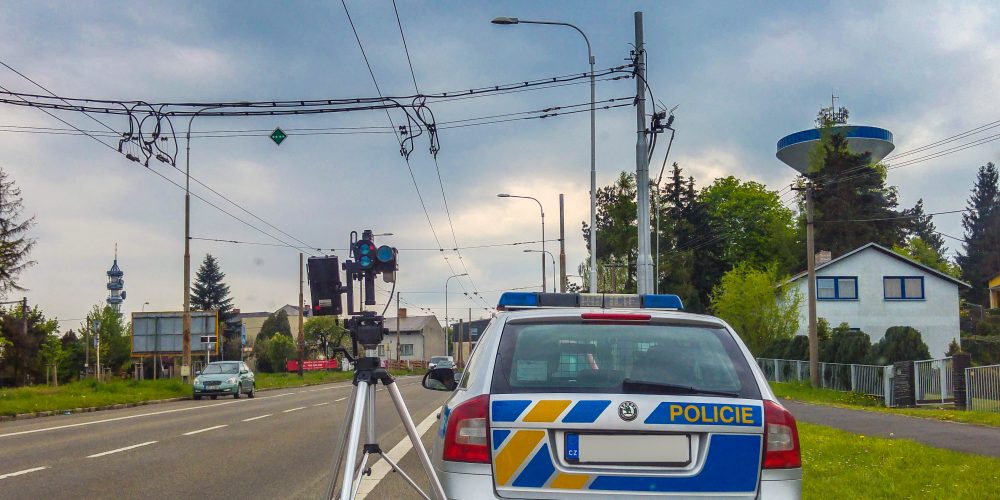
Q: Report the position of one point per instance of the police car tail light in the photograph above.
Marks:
(466, 438)
(781, 438)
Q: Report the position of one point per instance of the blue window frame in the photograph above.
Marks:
(837, 288)
(903, 287)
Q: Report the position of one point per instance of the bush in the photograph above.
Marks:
(776, 349)
(985, 350)
(261, 362)
(846, 346)
(901, 343)
(798, 348)
(280, 349)
(746, 299)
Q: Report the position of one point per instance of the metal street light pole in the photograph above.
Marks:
(446, 309)
(144, 304)
(542, 210)
(553, 264)
(593, 142)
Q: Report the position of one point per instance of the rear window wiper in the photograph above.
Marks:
(665, 388)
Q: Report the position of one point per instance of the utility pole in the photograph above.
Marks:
(302, 335)
(562, 247)
(644, 261)
(462, 345)
(97, 348)
(461, 336)
(399, 348)
(811, 286)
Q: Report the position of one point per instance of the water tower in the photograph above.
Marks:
(793, 149)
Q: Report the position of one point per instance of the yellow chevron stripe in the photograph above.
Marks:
(546, 411)
(514, 453)
(569, 481)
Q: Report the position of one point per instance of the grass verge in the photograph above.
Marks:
(803, 392)
(87, 393)
(838, 464)
(279, 380)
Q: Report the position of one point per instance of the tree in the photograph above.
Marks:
(279, 350)
(209, 293)
(981, 259)
(26, 332)
(260, 348)
(15, 245)
(846, 346)
(51, 355)
(324, 333)
(757, 305)
(900, 343)
(756, 227)
(851, 188)
(919, 250)
(276, 323)
(115, 338)
(617, 234)
(922, 226)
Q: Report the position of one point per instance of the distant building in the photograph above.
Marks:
(420, 337)
(464, 337)
(873, 288)
(253, 321)
(994, 285)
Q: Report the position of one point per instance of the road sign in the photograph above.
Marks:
(278, 135)
(163, 332)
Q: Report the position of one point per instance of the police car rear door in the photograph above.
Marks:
(598, 402)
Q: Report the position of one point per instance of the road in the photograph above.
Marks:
(278, 445)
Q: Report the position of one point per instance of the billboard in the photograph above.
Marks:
(163, 332)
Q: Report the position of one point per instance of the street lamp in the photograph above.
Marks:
(505, 21)
(144, 304)
(446, 310)
(553, 265)
(542, 210)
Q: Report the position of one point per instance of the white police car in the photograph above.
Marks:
(599, 395)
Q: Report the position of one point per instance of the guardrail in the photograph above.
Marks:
(982, 385)
(873, 380)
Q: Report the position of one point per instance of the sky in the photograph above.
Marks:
(741, 74)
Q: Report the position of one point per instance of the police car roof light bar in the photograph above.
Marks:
(531, 300)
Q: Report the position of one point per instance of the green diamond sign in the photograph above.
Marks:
(278, 136)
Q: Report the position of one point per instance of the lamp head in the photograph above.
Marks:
(504, 20)
(503, 195)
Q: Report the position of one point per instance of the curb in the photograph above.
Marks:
(51, 413)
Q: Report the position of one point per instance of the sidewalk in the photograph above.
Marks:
(966, 438)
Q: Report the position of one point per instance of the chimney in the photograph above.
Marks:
(401, 313)
(823, 256)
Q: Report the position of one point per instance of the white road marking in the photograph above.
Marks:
(341, 399)
(255, 418)
(294, 409)
(277, 395)
(396, 454)
(25, 471)
(321, 404)
(121, 449)
(206, 429)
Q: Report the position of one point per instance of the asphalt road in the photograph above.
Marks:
(278, 445)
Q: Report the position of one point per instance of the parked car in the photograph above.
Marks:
(224, 378)
(441, 362)
(576, 396)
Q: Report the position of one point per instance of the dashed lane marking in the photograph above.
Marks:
(25, 471)
(256, 418)
(337, 400)
(321, 404)
(206, 429)
(294, 409)
(96, 455)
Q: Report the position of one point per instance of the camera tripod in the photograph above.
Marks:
(361, 410)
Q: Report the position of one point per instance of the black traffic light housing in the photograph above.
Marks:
(325, 287)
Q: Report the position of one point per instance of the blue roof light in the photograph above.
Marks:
(518, 299)
(662, 301)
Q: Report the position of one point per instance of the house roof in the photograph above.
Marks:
(410, 323)
(890, 253)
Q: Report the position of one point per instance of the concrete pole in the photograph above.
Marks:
(398, 339)
(562, 246)
(302, 335)
(543, 246)
(811, 265)
(644, 261)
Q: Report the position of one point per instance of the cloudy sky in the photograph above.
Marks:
(743, 74)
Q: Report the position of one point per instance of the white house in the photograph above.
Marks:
(873, 288)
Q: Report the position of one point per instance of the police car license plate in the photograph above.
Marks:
(651, 449)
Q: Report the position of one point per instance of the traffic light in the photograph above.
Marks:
(364, 254)
(324, 286)
(386, 263)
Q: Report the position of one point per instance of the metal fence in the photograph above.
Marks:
(982, 385)
(873, 380)
(932, 382)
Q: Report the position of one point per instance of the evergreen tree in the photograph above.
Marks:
(981, 221)
(209, 293)
(922, 226)
(15, 245)
(275, 324)
(21, 355)
(850, 188)
(617, 237)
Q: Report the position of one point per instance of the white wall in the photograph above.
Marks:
(936, 317)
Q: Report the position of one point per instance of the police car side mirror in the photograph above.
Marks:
(440, 379)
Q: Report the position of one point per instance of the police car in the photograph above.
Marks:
(600, 395)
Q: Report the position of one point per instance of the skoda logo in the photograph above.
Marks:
(628, 411)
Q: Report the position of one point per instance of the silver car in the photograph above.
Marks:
(576, 396)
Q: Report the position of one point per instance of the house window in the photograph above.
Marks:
(406, 349)
(903, 287)
(381, 350)
(837, 288)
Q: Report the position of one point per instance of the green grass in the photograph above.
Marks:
(803, 392)
(278, 380)
(838, 464)
(88, 393)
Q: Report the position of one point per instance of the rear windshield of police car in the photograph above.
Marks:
(649, 358)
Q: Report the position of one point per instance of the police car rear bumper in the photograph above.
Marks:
(785, 484)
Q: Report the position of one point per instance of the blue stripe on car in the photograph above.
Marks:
(509, 410)
(586, 412)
